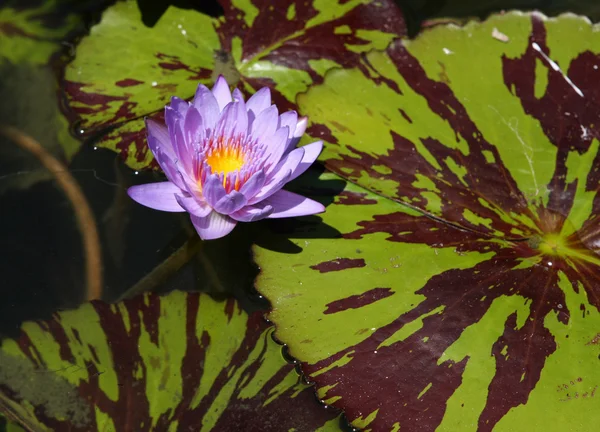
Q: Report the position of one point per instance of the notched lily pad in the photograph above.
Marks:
(124, 71)
(463, 292)
(183, 361)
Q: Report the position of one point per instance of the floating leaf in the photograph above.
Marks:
(180, 362)
(32, 38)
(484, 316)
(282, 44)
(33, 33)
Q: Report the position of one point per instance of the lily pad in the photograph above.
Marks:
(179, 362)
(124, 70)
(463, 291)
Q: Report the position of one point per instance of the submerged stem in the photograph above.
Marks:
(83, 213)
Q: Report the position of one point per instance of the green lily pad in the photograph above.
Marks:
(124, 71)
(179, 362)
(33, 39)
(33, 33)
(462, 292)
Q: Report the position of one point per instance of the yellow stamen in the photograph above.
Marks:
(226, 160)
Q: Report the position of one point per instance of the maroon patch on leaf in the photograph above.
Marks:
(354, 198)
(338, 264)
(357, 301)
(128, 82)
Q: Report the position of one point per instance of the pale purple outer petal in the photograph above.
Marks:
(158, 196)
(193, 206)
(288, 119)
(194, 129)
(283, 173)
(159, 143)
(207, 107)
(252, 213)
(253, 184)
(221, 92)
(213, 226)
(276, 145)
(230, 203)
(258, 102)
(237, 95)
(161, 136)
(233, 121)
(300, 127)
(265, 124)
(213, 190)
(179, 105)
(311, 153)
(298, 132)
(288, 204)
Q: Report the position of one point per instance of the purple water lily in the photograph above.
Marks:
(227, 160)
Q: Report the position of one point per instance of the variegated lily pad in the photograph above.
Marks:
(124, 71)
(180, 362)
(463, 293)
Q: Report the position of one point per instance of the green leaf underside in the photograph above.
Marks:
(180, 362)
(486, 316)
(124, 71)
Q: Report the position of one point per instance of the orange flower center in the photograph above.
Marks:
(226, 160)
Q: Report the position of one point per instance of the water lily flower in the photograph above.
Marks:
(226, 160)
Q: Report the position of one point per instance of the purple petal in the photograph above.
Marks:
(253, 184)
(179, 105)
(213, 190)
(230, 203)
(161, 136)
(193, 128)
(221, 92)
(213, 226)
(233, 121)
(282, 175)
(288, 119)
(252, 213)
(182, 147)
(260, 101)
(265, 124)
(192, 206)
(168, 165)
(237, 95)
(300, 127)
(275, 148)
(298, 132)
(289, 204)
(159, 196)
(311, 152)
(207, 106)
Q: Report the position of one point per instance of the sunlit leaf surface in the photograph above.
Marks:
(125, 70)
(462, 292)
(180, 362)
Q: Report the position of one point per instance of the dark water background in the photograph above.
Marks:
(42, 268)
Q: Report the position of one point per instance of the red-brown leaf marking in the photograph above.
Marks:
(338, 264)
(354, 198)
(128, 82)
(358, 301)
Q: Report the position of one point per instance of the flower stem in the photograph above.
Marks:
(83, 213)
